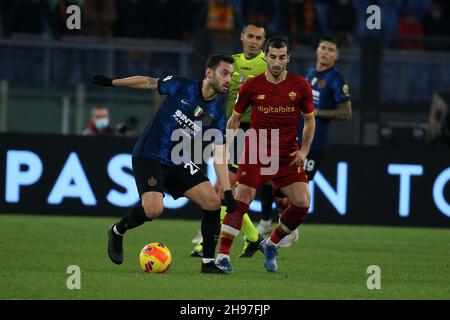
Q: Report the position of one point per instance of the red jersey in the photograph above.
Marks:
(276, 106)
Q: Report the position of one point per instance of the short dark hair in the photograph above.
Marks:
(330, 38)
(277, 43)
(98, 107)
(255, 23)
(214, 60)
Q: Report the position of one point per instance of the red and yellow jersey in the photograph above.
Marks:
(276, 106)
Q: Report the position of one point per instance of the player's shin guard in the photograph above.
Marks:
(248, 227)
(210, 232)
(133, 218)
(231, 226)
(290, 219)
(223, 213)
(266, 202)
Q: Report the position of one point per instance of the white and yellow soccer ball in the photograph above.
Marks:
(155, 258)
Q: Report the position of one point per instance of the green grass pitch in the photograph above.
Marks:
(328, 262)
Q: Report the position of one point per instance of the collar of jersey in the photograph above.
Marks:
(287, 75)
(259, 55)
(324, 71)
(200, 84)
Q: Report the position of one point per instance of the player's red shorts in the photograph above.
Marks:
(250, 175)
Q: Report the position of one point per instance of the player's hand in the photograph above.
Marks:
(101, 80)
(299, 159)
(229, 200)
(219, 190)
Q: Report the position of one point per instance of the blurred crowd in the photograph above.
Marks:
(408, 24)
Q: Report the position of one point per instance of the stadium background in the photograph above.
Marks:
(385, 166)
(394, 73)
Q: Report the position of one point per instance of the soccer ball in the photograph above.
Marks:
(155, 257)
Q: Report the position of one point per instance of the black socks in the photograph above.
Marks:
(266, 202)
(132, 219)
(210, 232)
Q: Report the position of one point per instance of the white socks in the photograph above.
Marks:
(207, 260)
(266, 223)
(117, 232)
(221, 256)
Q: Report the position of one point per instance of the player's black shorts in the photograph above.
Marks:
(315, 158)
(233, 167)
(151, 175)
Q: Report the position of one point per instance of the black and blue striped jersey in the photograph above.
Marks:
(185, 111)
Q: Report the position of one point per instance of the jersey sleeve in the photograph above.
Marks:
(244, 98)
(170, 85)
(340, 89)
(306, 103)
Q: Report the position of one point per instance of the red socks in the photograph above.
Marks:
(231, 226)
(290, 219)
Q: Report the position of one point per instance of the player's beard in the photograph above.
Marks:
(215, 84)
(252, 51)
(277, 71)
(326, 62)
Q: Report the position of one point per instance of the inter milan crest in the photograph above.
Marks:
(207, 120)
(152, 182)
(322, 83)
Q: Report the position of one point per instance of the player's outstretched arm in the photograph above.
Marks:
(343, 112)
(221, 168)
(136, 82)
(233, 124)
(308, 133)
(307, 138)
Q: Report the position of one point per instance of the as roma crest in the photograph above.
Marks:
(292, 95)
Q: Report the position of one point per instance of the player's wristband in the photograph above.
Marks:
(229, 199)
